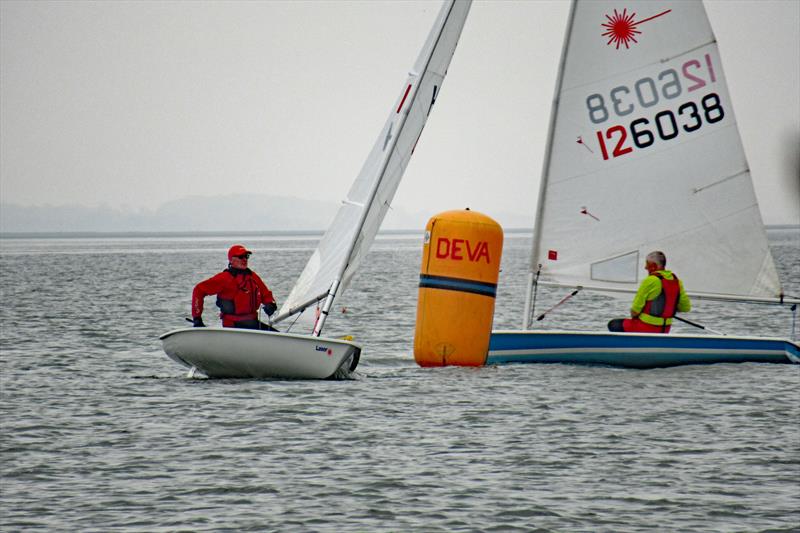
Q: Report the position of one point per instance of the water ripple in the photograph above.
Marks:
(100, 431)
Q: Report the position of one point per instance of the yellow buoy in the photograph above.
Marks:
(457, 286)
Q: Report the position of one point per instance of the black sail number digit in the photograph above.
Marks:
(692, 107)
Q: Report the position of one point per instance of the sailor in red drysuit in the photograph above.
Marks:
(659, 297)
(239, 293)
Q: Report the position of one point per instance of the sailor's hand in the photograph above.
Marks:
(270, 308)
(197, 321)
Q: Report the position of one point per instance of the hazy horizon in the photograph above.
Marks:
(234, 212)
(72, 220)
(134, 105)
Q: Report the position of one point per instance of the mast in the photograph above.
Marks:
(410, 96)
(537, 225)
(621, 144)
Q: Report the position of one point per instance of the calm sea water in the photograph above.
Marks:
(100, 431)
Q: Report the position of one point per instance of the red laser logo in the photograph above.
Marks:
(621, 28)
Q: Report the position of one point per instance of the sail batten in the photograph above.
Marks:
(644, 154)
(726, 178)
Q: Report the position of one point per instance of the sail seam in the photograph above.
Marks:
(667, 59)
(723, 180)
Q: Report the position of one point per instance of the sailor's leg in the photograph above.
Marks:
(615, 325)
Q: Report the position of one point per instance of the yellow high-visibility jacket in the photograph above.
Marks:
(649, 290)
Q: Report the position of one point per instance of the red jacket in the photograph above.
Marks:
(239, 295)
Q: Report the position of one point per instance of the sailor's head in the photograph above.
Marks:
(655, 261)
(238, 256)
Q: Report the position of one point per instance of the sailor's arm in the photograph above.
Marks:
(684, 304)
(643, 295)
(212, 285)
(266, 294)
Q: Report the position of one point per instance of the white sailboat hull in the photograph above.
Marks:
(231, 353)
(635, 350)
(242, 353)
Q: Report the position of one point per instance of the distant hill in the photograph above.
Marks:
(202, 213)
(192, 213)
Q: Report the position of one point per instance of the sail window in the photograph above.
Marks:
(620, 269)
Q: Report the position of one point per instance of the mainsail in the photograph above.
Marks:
(644, 154)
(348, 239)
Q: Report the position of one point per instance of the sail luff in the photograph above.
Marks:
(537, 225)
(401, 124)
(450, 23)
(349, 237)
(412, 89)
(413, 85)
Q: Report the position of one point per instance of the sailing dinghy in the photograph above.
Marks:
(644, 154)
(236, 353)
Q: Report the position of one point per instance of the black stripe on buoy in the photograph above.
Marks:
(456, 284)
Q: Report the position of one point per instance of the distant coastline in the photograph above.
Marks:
(250, 233)
(782, 226)
(153, 234)
(203, 216)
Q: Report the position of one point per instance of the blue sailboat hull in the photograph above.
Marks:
(635, 350)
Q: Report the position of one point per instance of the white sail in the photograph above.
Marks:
(644, 154)
(350, 236)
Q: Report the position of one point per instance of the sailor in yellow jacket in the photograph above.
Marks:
(659, 297)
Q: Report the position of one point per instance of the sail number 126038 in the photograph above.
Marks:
(646, 92)
(666, 124)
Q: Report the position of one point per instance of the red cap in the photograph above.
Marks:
(237, 249)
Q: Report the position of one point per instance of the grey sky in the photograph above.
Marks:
(137, 103)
